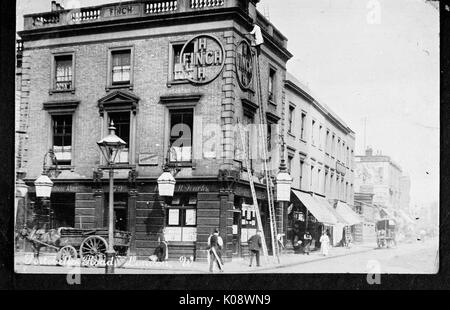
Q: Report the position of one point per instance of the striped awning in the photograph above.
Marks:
(317, 209)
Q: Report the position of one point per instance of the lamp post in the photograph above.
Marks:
(111, 146)
(283, 188)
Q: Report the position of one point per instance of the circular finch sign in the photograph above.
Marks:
(244, 64)
(202, 59)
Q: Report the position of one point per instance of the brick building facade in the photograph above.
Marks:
(83, 68)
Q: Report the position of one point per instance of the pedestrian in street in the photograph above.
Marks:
(255, 245)
(324, 243)
(162, 250)
(307, 239)
(215, 244)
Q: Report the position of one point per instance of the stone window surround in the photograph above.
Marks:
(62, 107)
(176, 102)
(129, 105)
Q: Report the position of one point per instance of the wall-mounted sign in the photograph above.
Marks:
(148, 159)
(204, 56)
(244, 64)
(120, 11)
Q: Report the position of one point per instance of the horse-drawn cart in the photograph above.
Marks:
(89, 245)
(386, 233)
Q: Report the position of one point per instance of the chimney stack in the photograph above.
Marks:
(369, 151)
(56, 6)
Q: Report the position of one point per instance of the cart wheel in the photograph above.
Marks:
(93, 251)
(66, 255)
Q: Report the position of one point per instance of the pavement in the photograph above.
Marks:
(288, 263)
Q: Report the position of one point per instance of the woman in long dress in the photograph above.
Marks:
(324, 243)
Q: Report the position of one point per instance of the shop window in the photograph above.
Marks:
(63, 75)
(181, 135)
(248, 222)
(180, 67)
(121, 122)
(181, 219)
(62, 138)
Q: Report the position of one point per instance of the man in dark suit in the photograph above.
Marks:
(255, 245)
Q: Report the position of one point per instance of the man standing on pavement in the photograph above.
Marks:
(255, 244)
(308, 239)
(215, 244)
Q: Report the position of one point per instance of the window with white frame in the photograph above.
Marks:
(121, 67)
(181, 134)
(313, 132)
(62, 138)
(181, 218)
(63, 75)
(180, 69)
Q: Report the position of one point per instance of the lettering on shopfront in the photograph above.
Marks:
(203, 58)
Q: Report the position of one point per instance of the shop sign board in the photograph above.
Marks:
(203, 57)
(244, 64)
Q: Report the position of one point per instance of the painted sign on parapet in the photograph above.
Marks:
(203, 58)
(118, 11)
(244, 64)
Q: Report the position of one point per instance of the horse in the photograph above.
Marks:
(39, 238)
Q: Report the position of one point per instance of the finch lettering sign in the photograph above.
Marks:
(205, 61)
(244, 64)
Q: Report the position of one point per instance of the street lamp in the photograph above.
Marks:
(283, 183)
(166, 181)
(44, 185)
(111, 146)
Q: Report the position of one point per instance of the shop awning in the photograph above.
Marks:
(350, 216)
(320, 212)
(329, 207)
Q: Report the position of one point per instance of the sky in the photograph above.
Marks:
(373, 62)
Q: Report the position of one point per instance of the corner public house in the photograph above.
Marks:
(175, 77)
(165, 73)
